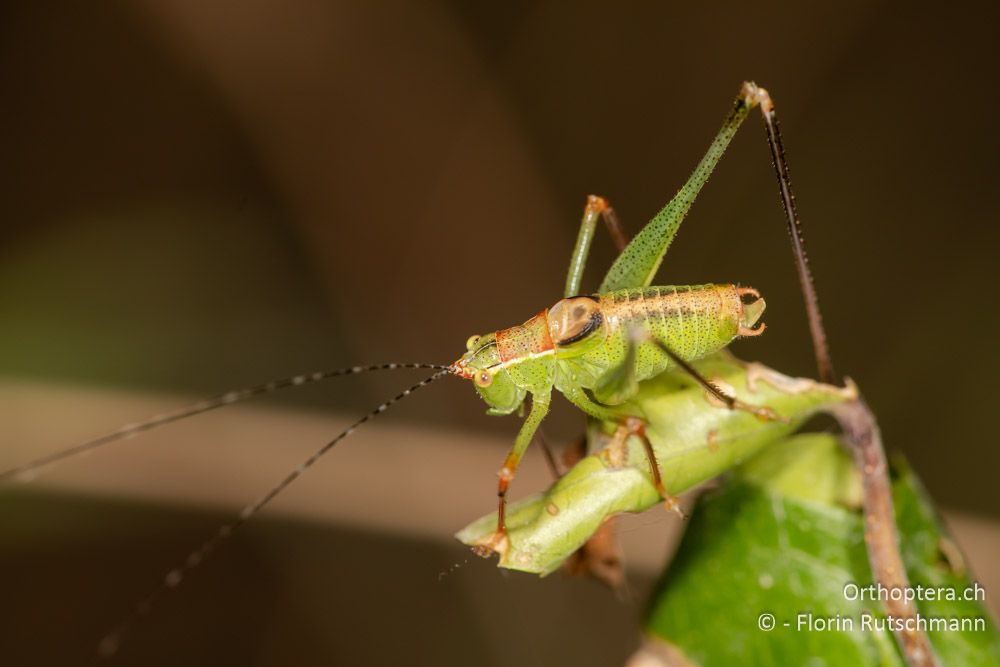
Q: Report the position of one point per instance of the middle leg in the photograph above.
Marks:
(627, 425)
(597, 207)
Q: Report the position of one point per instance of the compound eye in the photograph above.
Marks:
(483, 379)
(470, 344)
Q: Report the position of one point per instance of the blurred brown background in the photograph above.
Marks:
(198, 196)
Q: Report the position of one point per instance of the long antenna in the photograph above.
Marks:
(110, 644)
(26, 470)
(821, 349)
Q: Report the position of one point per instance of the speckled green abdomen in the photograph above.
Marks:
(693, 321)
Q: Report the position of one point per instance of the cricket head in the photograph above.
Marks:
(481, 363)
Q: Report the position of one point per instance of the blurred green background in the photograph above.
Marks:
(199, 196)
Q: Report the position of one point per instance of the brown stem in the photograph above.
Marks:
(881, 538)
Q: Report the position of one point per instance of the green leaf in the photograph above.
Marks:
(770, 543)
(693, 438)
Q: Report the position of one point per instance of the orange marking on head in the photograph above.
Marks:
(461, 369)
(526, 339)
